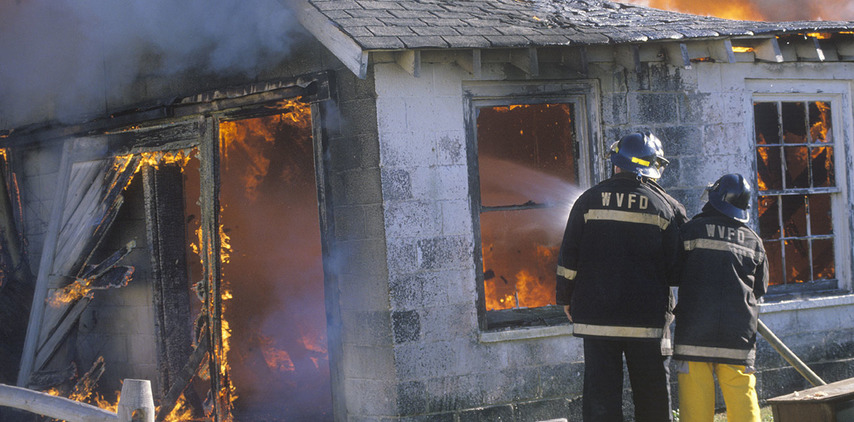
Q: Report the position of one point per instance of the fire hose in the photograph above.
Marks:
(788, 355)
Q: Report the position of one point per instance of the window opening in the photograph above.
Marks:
(527, 167)
(797, 183)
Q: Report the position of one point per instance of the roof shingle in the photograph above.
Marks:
(386, 24)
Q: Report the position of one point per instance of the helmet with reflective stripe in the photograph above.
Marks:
(731, 195)
(639, 153)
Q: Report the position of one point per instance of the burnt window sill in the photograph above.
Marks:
(513, 324)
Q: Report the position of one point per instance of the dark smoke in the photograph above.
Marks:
(60, 59)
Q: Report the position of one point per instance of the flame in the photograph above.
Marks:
(69, 294)
(740, 49)
(153, 159)
(528, 290)
(818, 130)
(763, 155)
(739, 10)
(112, 406)
(232, 133)
(181, 412)
(276, 359)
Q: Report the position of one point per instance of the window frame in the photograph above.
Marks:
(584, 96)
(838, 96)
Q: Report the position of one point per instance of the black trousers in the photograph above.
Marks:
(649, 375)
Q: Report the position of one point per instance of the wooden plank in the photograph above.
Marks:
(768, 51)
(58, 335)
(526, 60)
(470, 62)
(41, 289)
(845, 49)
(339, 43)
(721, 51)
(809, 50)
(410, 61)
(677, 54)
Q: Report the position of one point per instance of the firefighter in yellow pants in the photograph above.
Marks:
(723, 271)
(697, 391)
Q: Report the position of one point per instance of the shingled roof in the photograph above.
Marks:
(351, 29)
(412, 24)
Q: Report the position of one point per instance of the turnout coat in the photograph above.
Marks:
(724, 271)
(619, 248)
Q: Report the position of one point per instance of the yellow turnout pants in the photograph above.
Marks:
(697, 392)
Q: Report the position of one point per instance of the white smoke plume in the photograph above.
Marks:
(62, 57)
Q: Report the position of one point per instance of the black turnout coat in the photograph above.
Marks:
(724, 271)
(619, 248)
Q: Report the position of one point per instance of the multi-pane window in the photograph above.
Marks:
(527, 172)
(796, 183)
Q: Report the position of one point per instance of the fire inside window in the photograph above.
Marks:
(527, 169)
(796, 184)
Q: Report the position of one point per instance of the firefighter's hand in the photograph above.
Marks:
(566, 311)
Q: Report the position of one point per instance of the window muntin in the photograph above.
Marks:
(796, 184)
(527, 168)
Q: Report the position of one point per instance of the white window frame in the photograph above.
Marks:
(584, 95)
(838, 94)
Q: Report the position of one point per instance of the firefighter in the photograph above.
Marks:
(620, 244)
(723, 274)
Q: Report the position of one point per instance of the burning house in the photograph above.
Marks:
(363, 223)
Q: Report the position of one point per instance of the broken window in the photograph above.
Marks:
(527, 166)
(532, 160)
(796, 180)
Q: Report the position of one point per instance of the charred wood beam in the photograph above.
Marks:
(184, 378)
(87, 383)
(108, 264)
(211, 243)
(43, 380)
(164, 199)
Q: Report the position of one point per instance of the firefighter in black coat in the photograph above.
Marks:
(620, 245)
(724, 273)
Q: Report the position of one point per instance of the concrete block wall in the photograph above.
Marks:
(443, 368)
(359, 253)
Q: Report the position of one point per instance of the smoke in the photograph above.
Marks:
(63, 58)
(760, 10)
